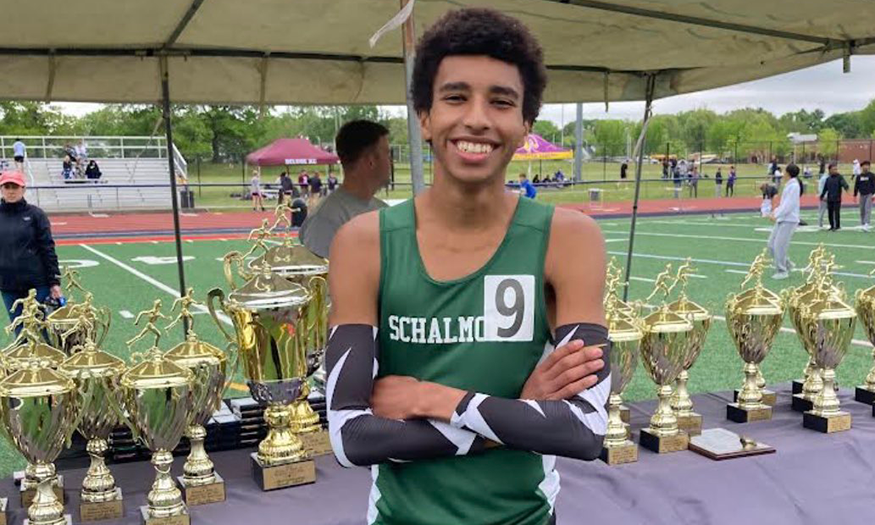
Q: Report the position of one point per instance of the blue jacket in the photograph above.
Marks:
(529, 189)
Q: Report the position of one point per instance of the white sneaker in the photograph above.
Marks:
(779, 276)
(866, 228)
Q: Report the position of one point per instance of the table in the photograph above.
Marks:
(812, 479)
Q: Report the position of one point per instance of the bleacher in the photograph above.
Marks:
(134, 173)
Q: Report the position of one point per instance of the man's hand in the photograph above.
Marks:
(403, 397)
(772, 217)
(565, 373)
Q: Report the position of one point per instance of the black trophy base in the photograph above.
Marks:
(800, 404)
(274, 477)
(620, 454)
(28, 495)
(736, 413)
(864, 395)
(690, 423)
(796, 386)
(664, 444)
(769, 397)
(838, 422)
(194, 495)
(68, 519)
(179, 519)
(102, 510)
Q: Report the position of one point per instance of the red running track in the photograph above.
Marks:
(158, 226)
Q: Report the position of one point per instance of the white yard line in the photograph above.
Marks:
(760, 240)
(126, 314)
(642, 279)
(154, 282)
(865, 262)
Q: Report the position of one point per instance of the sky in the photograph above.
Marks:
(823, 86)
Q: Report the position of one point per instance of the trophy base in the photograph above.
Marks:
(625, 413)
(796, 386)
(620, 454)
(28, 495)
(4, 502)
(864, 395)
(691, 424)
(179, 519)
(316, 443)
(736, 413)
(202, 494)
(769, 397)
(281, 476)
(104, 510)
(68, 519)
(838, 422)
(664, 444)
(800, 404)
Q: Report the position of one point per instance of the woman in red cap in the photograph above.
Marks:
(27, 250)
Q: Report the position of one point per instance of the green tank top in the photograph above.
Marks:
(484, 332)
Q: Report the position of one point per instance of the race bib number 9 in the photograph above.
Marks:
(509, 307)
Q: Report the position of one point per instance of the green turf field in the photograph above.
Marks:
(721, 247)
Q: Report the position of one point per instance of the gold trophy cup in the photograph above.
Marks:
(865, 306)
(65, 331)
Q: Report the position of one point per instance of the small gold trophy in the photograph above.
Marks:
(664, 350)
(625, 334)
(865, 306)
(158, 396)
(688, 421)
(200, 482)
(65, 331)
(753, 318)
(96, 375)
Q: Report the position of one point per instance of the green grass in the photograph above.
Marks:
(719, 244)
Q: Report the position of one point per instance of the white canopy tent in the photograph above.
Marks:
(317, 51)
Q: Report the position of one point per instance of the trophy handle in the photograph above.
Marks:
(89, 395)
(230, 259)
(232, 372)
(104, 320)
(116, 407)
(211, 297)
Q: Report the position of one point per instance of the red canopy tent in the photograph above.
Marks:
(283, 152)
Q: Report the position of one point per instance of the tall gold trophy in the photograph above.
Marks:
(753, 318)
(625, 334)
(158, 395)
(681, 403)
(200, 482)
(865, 306)
(28, 349)
(96, 375)
(667, 339)
(268, 314)
(65, 331)
(299, 265)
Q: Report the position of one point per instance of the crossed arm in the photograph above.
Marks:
(561, 410)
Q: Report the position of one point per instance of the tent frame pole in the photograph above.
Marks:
(651, 84)
(414, 134)
(578, 144)
(171, 162)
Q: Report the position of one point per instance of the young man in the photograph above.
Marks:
(864, 185)
(832, 192)
(19, 150)
(527, 189)
(465, 352)
(363, 148)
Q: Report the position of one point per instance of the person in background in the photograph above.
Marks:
(864, 185)
(855, 167)
(19, 152)
(730, 182)
(332, 183)
(822, 167)
(821, 202)
(786, 219)
(255, 191)
(693, 181)
(527, 189)
(623, 168)
(286, 187)
(27, 249)
(363, 148)
(537, 179)
(67, 168)
(81, 155)
(665, 168)
(92, 171)
(315, 183)
(832, 191)
(304, 183)
(773, 166)
(806, 173)
(769, 191)
(718, 182)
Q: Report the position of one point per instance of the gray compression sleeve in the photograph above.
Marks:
(358, 437)
(573, 427)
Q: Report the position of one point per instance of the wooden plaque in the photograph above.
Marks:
(719, 444)
(282, 476)
(179, 519)
(203, 494)
(104, 510)
(316, 443)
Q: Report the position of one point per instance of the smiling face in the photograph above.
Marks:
(475, 122)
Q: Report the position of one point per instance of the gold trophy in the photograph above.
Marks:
(664, 351)
(158, 396)
(828, 327)
(681, 403)
(29, 348)
(753, 318)
(625, 335)
(865, 306)
(268, 314)
(96, 375)
(301, 266)
(201, 484)
(39, 409)
(64, 330)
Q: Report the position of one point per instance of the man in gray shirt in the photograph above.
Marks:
(363, 148)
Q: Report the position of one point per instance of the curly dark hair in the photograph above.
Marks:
(480, 31)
